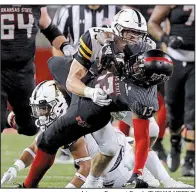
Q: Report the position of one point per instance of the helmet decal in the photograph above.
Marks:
(47, 104)
(139, 18)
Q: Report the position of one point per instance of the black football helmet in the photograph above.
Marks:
(149, 68)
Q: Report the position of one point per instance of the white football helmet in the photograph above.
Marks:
(47, 104)
(130, 25)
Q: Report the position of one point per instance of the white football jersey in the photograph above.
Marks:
(91, 43)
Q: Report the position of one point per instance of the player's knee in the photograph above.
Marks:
(46, 146)
(58, 62)
(28, 131)
(52, 64)
(153, 128)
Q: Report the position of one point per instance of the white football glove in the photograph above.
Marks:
(69, 50)
(9, 176)
(93, 184)
(97, 95)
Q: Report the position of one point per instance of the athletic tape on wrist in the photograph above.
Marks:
(30, 151)
(164, 38)
(19, 165)
(80, 176)
(70, 185)
(88, 92)
(63, 45)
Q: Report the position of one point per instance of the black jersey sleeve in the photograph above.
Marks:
(84, 53)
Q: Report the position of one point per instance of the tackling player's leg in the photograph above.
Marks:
(108, 149)
(188, 168)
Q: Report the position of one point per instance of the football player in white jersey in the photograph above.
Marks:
(128, 26)
(48, 104)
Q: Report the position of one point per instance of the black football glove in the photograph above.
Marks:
(135, 182)
(107, 56)
(174, 42)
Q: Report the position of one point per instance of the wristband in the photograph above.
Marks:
(19, 165)
(165, 38)
(88, 92)
(63, 45)
(80, 176)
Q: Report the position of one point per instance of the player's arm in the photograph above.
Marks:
(24, 161)
(62, 21)
(79, 69)
(74, 83)
(81, 157)
(158, 15)
(52, 33)
(80, 66)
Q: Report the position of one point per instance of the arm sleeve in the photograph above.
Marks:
(61, 20)
(84, 54)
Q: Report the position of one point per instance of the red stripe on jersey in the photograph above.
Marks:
(158, 59)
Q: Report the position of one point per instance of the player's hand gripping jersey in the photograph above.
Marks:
(125, 95)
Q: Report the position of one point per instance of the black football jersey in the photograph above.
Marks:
(19, 26)
(126, 96)
(182, 19)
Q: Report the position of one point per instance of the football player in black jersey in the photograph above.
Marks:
(19, 27)
(92, 43)
(103, 92)
(180, 89)
(136, 91)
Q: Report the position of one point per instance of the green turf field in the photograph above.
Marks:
(60, 174)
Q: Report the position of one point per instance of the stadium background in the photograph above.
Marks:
(12, 145)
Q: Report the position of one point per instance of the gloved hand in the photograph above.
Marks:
(174, 42)
(68, 50)
(107, 56)
(119, 115)
(9, 176)
(135, 182)
(93, 183)
(97, 95)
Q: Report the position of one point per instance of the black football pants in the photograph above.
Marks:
(180, 97)
(17, 85)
